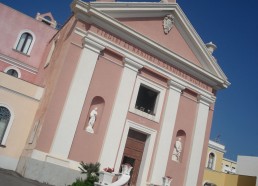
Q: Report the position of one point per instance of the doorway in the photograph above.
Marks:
(133, 153)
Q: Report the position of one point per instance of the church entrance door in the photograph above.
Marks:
(133, 153)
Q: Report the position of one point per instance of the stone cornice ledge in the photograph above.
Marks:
(92, 45)
(132, 64)
(175, 86)
(206, 100)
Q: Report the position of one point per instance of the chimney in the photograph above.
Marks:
(211, 47)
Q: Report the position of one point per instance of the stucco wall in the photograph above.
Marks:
(22, 99)
(13, 23)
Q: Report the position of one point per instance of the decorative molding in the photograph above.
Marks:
(132, 64)
(168, 23)
(19, 64)
(206, 100)
(92, 45)
(175, 85)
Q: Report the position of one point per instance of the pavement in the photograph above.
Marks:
(12, 178)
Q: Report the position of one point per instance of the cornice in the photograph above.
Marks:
(95, 13)
(18, 64)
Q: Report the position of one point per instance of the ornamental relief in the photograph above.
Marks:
(168, 23)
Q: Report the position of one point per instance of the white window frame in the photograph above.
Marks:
(32, 42)
(159, 100)
(9, 125)
(13, 68)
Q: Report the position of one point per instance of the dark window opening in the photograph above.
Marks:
(46, 22)
(12, 72)
(146, 100)
(211, 160)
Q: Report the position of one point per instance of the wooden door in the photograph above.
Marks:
(133, 153)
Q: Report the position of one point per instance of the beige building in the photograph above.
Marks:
(220, 171)
(19, 101)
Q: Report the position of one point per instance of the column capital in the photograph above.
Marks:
(92, 45)
(206, 100)
(132, 64)
(175, 85)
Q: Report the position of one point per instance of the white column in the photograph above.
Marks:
(166, 132)
(119, 113)
(75, 98)
(198, 139)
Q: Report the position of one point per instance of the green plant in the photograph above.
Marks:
(92, 172)
(79, 182)
(89, 168)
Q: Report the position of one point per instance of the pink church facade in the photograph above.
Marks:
(150, 80)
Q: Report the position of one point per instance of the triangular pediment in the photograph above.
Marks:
(141, 25)
(173, 40)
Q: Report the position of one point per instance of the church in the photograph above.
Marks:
(118, 83)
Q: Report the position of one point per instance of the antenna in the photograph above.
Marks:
(217, 139)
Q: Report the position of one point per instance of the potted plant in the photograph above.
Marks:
(106, 176)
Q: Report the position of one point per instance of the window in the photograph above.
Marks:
(211, 161)
(24, 43)
(13, 71)
(147, 99)
(5, 116)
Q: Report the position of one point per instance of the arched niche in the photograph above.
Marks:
(178, 148)
(95, 110)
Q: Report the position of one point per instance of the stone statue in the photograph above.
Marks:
(168, 23)
(177, 150)
(93, 115)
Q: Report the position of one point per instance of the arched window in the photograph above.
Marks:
(211, 161)
(5, 116)
(24, 43)
(12, 72)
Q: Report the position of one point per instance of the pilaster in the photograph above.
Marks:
(75, 98)
(198, 139)
(118, 117)
(166, 132)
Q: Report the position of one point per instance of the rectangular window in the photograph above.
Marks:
(147, 99)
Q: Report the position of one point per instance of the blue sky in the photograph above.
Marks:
(233, 27)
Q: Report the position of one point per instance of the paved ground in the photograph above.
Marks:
(11, 178)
